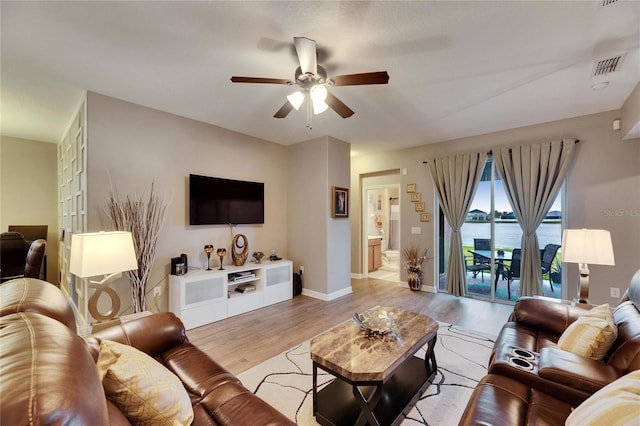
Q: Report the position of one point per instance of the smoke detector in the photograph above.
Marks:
(600, 86)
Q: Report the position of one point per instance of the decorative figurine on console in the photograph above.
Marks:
(258, 255)
(239, 250)
(274, 255)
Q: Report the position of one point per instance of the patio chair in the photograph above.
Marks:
(546, 259)
(511, 272)
(479, 264)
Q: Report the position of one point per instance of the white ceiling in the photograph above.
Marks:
(456, 68)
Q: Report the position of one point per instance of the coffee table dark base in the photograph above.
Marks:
(337, 405)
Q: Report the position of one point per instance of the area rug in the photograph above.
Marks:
(285, 381)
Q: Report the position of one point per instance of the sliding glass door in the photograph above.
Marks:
(491, 238)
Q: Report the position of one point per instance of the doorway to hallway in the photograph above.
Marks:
(381, 227)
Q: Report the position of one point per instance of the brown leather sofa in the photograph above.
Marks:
(49, 375)
(557, 381)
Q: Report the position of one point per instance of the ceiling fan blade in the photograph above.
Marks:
(284, 110)
(307, 55)
(338, 106)
(236, 79)
(379, 77)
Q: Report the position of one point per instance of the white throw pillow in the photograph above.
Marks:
(618, 404)
(592, 334)
(142, 388)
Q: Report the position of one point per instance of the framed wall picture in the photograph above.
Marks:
(415, 196)
(425, 217)
(340, 202)
(419, 206)
(411, 187)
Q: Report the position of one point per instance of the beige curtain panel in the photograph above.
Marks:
(456, 179)
(532, 176)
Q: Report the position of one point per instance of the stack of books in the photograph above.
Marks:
(245, 288)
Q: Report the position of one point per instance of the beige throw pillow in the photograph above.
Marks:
(618, 404)
(142, 388)
(592, 334)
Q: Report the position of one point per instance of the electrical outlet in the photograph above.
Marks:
(157, 291)
(614, 292)
(416, 230)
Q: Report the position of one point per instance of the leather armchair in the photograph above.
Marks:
(35, 256)
(13, 252)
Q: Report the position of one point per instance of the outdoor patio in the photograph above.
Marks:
(477, 287)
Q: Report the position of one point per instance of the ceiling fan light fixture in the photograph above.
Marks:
(319, 107)
(296, 99)
(318, 93)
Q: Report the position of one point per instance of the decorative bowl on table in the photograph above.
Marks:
(376, 322)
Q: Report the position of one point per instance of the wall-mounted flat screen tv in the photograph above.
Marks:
(216, 201)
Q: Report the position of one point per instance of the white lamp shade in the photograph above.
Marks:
(318, 93)
(296, 99)
(101, 253)
(590, 246)
(319, 107)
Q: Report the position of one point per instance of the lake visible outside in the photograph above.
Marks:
(509, 234)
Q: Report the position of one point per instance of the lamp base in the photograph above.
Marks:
(583, 305)
(583, 284)
(103, 287)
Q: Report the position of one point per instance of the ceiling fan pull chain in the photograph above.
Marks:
(309, 114)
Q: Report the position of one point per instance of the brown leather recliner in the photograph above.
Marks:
(35, 255)
(21, 258)
(13, 252)
(558, 380)
(49, 375)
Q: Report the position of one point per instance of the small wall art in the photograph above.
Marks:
(425, 217)
(419, 206)
(340, 202)
(415, 196)
(411, 187)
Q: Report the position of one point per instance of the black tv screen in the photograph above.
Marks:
(216, 201)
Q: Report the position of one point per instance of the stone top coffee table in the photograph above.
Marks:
(379, 379)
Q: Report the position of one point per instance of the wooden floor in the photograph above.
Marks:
(240, 342)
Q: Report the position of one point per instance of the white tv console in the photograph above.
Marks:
(201, 297)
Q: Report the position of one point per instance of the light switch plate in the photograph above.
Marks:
(416, 230)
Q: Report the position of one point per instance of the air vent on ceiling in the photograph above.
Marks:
(605, 3)
(606, 66)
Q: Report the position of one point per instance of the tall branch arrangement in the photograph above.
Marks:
(143, 216)
(414, 258)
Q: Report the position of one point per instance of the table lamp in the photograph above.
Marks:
(583, 246)
(102, 253)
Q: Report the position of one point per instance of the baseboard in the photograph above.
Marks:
(426, 289)
(356, 276)
(327, 297)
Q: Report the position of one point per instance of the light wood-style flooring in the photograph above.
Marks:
(243, 341)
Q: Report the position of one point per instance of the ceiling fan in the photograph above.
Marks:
(312, 79)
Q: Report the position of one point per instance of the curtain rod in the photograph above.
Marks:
(490, 152)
